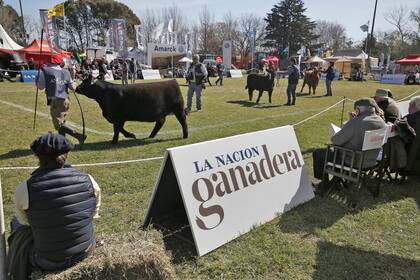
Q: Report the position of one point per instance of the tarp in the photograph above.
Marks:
(32, 51)
(6, 42)
(411, 59)
(273, 59)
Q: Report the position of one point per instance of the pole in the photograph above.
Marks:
(367, 37)
(371, 33)
(65, 33)
(2, 239)
(342, 111)
(23, 22)
(39, 70)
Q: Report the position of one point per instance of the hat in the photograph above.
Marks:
(382, 92)
(51, 144)
(56, 59)
(367, 102)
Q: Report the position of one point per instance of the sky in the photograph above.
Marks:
(350, 13)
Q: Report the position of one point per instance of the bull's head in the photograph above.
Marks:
(88, 88)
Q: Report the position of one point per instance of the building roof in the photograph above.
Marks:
(349, 52)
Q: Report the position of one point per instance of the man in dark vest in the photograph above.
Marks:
(57, 81)
(329, 78)
(196, 75)
(293, 80)
(56, 205)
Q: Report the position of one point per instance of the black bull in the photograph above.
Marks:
(260, 83)
(148, 102)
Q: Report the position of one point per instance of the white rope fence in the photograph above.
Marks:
(160, 158)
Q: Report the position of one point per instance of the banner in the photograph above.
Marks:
(224, 188)
(139, 36)
(50, 30)
(57, 11)
(227, 54)
(188, 42)
(119, 36)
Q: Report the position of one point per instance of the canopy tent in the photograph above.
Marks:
(6, 42)
(315, 59)
(273, 59)
(411, 59)
(33, 50)
(185, 59)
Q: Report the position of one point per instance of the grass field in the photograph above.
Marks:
(322, 239)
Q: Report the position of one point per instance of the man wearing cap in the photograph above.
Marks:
(56, 205)
(366, 117)
(387, 104)
(57, 81)
(413, 116)
(329, 78)
(196, 74)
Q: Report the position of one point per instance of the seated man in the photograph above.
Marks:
(387, 104)
(351, 136)
(413, 111)
(55, 208)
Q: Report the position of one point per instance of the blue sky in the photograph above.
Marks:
(350, 13)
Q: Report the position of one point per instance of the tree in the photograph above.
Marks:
(11, 22)
(250, 24)
(398, 17)
(331, 34)
(206, 29)
(415, 18)
(32, 27)
(87, 21)
(288, 26)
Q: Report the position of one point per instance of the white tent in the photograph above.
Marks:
(6, 42)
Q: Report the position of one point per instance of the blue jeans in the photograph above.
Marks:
(329, 88)
(291, 94)
(197, 88)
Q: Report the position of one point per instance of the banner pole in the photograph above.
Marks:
(2, 238)
(36, 84)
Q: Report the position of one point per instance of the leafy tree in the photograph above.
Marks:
(88, 20)
(288, 26)
(11, 22)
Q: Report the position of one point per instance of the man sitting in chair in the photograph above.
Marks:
(413, 116)
(366, 117)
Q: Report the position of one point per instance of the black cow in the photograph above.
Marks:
(148, 102)
(261, 83)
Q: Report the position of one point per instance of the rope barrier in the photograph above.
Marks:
(319, 113)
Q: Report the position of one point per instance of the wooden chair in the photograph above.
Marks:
(348, 165)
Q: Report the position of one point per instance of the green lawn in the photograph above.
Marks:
(322, 239)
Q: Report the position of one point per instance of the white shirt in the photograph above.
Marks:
(22, 201)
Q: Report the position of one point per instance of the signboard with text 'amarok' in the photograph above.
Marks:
(225, 187)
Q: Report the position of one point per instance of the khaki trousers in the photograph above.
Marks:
(58, 111)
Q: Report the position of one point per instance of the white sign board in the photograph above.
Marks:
(403, 107)
(323, 76)
(235, 73)
(227, 54)
(397, 79)
(151, 74)
(227, 186)
(108, 77)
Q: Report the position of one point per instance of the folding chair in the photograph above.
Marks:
(413, 161)
(348, 165)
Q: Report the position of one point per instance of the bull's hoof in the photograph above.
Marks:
(185, 136)
(114, 142)
(130, 135)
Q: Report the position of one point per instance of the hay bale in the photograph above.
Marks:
(136, 255)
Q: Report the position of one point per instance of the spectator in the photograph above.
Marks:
(413, 116)
(31, 64)
(329, 78)
(220, 72)
(351, 136)
(124, 72)
(133, 70)
(387, 104)
(196, 75)
(293, 80)
(209, 69)
(102, 70)
(54, 209)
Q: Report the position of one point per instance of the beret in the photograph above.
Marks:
(382, 92)
(368, 102)
(51, 144)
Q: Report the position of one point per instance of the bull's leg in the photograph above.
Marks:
(269, 95)
(158, 126)
(310, 91)
(314, 90)
(182, 118)
(126, 133)
(250, 91)
(259, 95)
(304, 84)
(117, 129)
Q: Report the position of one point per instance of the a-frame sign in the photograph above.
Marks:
(222, 188)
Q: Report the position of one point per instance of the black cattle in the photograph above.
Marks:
(148, 102)
(260, 83)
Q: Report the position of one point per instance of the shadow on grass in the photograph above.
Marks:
(16, 154)
(301, 94)
(346, 262)
(323, 212)
(244, 103)
(315, 96)
(123, 143)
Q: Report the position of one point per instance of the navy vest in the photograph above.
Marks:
(61, 208)
(56, 82)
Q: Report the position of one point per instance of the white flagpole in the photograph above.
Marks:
(2, 238)
(65, 33)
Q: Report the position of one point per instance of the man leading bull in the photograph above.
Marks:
(57, 81)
